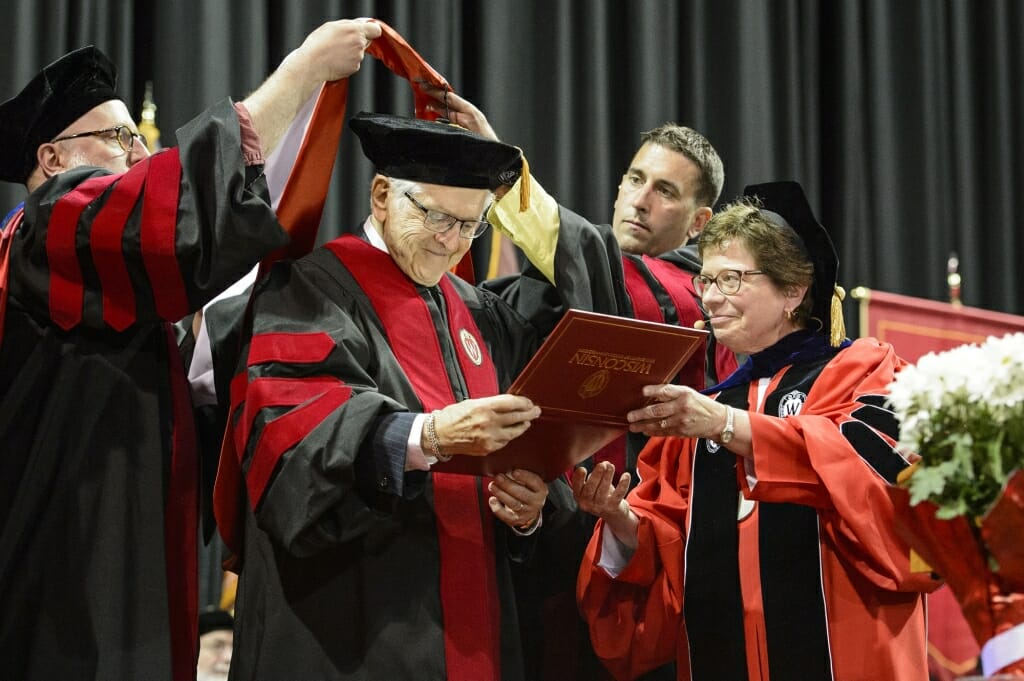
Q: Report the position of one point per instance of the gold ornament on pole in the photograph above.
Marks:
(147, 126)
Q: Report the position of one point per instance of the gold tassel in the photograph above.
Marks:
(838, 331)
(524, 186)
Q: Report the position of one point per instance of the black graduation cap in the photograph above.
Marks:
(54, 99)
(213, 619)
(784, 203)
(434, 152)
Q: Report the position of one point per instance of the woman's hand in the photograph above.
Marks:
(681, 411)
(599, 494)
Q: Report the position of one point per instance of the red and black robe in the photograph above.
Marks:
(341, 578)
(98, 475)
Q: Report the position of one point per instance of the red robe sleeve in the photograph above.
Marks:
(636, 620)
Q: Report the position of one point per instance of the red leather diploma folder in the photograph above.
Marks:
(585, 377)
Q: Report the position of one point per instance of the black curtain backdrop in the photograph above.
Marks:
(900, 117)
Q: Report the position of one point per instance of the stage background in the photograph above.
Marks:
(902, 119)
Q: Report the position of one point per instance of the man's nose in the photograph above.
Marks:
(138, 152)
(450, 237)
(641, 198)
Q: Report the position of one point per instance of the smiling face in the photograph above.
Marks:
(755, 317)
(655, 210)
(424, 256)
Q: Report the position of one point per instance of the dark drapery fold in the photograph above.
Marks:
(901, 119)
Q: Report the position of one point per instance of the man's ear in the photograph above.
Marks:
(700, 220)
(50, 160)
(380, 190)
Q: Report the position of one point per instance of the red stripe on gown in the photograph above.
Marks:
(181, 524)
(469, 590)
(293, 348)
(157, 235)
(645, 305)
(319, 397)
(6, 239)
(679, 287)
(105, 242)
(66, 288)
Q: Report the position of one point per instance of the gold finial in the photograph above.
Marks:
(147, 126)
(953, 278)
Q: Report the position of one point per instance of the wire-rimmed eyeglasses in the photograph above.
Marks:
(124, 135)
(440, 222)
(727, 281)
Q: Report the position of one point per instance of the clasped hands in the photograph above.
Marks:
(477, 427)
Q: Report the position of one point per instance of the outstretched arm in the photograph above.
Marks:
(333, 51)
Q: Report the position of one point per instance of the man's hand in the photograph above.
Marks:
(480, 426)
(333, 51)
(459, 111)
(518, 499)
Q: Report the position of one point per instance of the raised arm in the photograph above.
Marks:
(333, 51)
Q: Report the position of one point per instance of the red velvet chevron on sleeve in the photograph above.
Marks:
(158, 233)
(108, 256)
(319, 398)
(67, 290)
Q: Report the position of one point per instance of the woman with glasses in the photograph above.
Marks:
(760, 543)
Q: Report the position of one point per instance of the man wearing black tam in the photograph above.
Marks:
(761, 543)
(98, 475)
(368, 365)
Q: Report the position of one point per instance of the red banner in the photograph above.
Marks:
(915, 327)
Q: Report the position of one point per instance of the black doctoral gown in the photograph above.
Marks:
(342, 576)
(98, 473)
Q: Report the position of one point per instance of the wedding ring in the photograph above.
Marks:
(664, 424)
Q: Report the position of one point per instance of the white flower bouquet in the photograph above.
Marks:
(962, 412)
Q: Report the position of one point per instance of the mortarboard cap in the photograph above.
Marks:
(435, 153)
(214, 620)
(54, 99)
(784, 203)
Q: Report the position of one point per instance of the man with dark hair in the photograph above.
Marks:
(667, 193)
(98, 478)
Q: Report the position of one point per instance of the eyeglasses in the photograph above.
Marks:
(727, 281)
(124, 135)
(439, 222)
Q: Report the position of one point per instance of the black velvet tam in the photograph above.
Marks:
(435, 152)
(785, 203)
(54, 99)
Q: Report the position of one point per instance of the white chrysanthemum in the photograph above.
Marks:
(963, 409)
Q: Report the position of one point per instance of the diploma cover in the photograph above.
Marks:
(585, 377)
